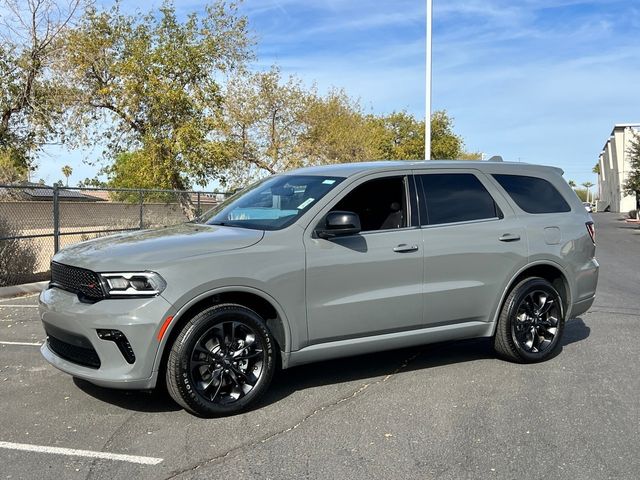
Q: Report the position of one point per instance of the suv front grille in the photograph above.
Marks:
(77, 280)
(85, 356)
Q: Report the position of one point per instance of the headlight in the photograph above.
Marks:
(133, 284)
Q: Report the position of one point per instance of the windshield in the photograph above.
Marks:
(273, 203)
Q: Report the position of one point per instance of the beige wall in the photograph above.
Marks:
(36, 218)
(614, 170)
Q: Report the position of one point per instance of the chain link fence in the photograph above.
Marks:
(36, 220)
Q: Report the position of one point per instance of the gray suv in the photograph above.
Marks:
(321, 263)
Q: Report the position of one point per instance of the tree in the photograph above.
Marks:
(274, 125)
(470, 156)
(572, 184)
(155, 81)
(67, 171)
(135, 170)
(632, 185)
(596, 168)
(12, 169)
(445, 144)
(581, 193)
(588, 186)
(264, 120)
(402, 137)
(30, 99)
(337, 131)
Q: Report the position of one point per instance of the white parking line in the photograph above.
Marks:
(81, 453)
(25, 344)
(2, 305)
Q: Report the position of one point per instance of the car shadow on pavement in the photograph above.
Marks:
(149, 401)
(575, 330)
(369, 368)
(363, 368)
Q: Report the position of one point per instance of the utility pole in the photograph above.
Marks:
(427, 107)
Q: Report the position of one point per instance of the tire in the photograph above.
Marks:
(531, 322)
(221, 362)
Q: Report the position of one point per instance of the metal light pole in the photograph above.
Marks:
(427, 107)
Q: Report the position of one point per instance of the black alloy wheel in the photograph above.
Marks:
(222, 361)
(531, 322)
(536, 322)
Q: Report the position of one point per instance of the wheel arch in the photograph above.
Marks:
(257, 300)
(550, 271)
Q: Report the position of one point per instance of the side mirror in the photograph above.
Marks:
(339, 224)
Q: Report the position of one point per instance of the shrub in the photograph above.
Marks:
(17, 257)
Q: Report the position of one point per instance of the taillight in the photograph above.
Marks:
(591, 228)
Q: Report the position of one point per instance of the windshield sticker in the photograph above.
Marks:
(328, 182)
(305, 203)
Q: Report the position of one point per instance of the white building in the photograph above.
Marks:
(615, 167)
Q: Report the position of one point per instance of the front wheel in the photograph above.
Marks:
(531, 322)
(221, 362)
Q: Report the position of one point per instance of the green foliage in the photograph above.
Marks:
(12, 167)
(31, 101)
(263, 116)
(154, 79)
(170, 99)
(632, 185)
(572, 183)
(470, 156)
(67, 171)
(445, 144)
(582, 194)
(135, 170)
(596, 168)
(401, 137)
(337, 131)
(274, 125)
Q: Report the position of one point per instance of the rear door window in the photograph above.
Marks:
(533, 194)
(455, 197)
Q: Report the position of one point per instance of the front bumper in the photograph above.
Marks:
(139, 319)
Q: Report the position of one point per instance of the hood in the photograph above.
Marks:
(150, 249)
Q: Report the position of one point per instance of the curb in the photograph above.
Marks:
(24, 289)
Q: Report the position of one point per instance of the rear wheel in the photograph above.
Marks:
(531, 322)
(222, 361)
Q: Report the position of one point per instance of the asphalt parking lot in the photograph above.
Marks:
(447, 411)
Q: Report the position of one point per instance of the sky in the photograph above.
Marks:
(538, 81)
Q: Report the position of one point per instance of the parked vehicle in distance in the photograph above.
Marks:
(588, 207)
(321, 263)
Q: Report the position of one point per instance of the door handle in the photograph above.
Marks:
(509, 237)
(404, 248)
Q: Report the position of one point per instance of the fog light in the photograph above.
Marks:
(121, 342)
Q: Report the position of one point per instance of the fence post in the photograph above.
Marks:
(198, 211)
(56, 220)
(141, 209)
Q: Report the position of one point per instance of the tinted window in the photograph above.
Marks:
(381, 204)
(533, 194)
(456, 197)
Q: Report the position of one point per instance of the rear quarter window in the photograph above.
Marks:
(533, 194)
(456, 197)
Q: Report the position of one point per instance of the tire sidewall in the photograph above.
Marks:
(183, 349)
